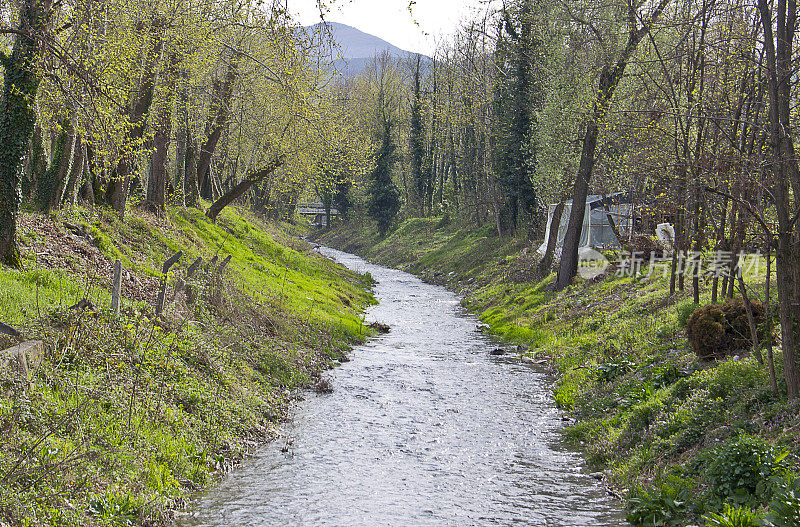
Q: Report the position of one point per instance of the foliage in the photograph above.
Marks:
(384, 197)
(742, 470)
(664, 505)
(130, 415)
(733, 517)
(784, 509)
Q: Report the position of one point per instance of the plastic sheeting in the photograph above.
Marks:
(597, 232)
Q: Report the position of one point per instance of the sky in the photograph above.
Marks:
(416, 31)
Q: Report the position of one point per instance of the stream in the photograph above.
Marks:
(424, 428)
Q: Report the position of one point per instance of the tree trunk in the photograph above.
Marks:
(157, 182)
(181, 139)
(609, 79)
(76, 173)
(217, 120)
(552, 239)
(720, 246)
(778, 47)
(238, 190)
(17, 115)
(191, 192)
(768, 314)
(120, 183)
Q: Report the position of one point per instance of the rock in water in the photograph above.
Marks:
(380, 328)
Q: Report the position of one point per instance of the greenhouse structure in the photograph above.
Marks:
(597, 232)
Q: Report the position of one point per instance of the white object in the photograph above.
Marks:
(665, 233)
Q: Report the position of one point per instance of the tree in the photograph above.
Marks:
(17, 115)
(779, 25)
(518, 99)
(610, 77)
(417, 145)
(384, 197)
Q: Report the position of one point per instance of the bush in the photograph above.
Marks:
(646, 245)
(741, 470)
(663, 506)
(717, 330)
(785, 506)
(744, 378)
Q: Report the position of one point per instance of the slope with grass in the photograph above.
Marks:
(678, 437)
(129, 415)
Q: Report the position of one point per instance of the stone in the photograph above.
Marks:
(380, 328)
(23, 358)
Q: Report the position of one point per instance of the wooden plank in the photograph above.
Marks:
(162, 292)
(194, 268)
(172, 261)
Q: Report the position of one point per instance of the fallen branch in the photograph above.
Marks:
(245, 185)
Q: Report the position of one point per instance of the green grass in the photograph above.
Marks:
(130, 415)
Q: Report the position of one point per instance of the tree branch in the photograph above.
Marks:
(746, 205)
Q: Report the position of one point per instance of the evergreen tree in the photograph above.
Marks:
(517, 99)
(384, 196)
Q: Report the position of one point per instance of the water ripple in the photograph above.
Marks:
(424, 428)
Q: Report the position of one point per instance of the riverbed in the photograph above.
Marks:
(424, 428)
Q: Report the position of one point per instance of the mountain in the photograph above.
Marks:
(355, 48)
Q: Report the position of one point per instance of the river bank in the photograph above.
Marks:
(677, 437)
(131, 414)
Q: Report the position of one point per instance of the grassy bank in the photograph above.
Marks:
(129, 415)
(679, 438)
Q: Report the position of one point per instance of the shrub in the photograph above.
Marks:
(733, 517)
(785, 506)
(645, 245)
(740, 471)
(662, 506)
(741, 378)
(116, 508)
(717, 330)
(611, 370)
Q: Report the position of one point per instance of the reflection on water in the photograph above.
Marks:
(423, 428)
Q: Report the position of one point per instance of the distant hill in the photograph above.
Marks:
(357, 48)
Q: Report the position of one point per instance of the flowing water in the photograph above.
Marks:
(424, 427)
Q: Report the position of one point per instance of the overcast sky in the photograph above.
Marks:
(392, 21)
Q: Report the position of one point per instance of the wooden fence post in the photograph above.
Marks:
(164, 270)
(116, 287)
(225, 263)
(184, 283)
